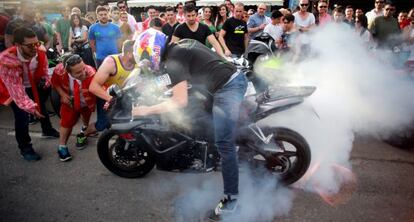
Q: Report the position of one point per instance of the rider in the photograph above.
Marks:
(190, 60)
(114, 70)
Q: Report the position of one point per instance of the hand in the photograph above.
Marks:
(262, 26)
(227, 52)
(59, 48)
(109, 103)
(140, 111)
(66, 99)
(38, 115)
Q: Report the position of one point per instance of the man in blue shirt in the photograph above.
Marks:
(258, 21)
(104, 37)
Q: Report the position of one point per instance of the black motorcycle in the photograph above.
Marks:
(131, 147)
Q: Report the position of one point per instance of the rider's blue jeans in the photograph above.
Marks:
(226, 106)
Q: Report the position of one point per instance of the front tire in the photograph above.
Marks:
(123, 158)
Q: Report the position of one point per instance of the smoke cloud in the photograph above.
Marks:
(358, 92)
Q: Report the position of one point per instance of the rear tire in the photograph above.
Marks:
(130, 163)
(293, 151)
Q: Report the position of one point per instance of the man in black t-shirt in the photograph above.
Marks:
(234, 36)
(192, 29)
(169, 27)
(190, 61)
(28, 21)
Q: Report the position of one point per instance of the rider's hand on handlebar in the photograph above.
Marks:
(109, 104)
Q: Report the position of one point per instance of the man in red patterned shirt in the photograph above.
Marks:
(24, 85)
(71, 79)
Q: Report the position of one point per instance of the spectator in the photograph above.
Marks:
(245, 16)
(114, 70)
(289, 33)
(90, 17)
(304, 20)
(4, 19)
(76, 10)
(151, 10)
(221, 17)
(169, 27)
(180, 13)
(230, 7)
(258, 21)
(338, 14)
(403, 20)
(163, 17)
(208, 20)
(24, 83)
(27, 20)
(385, 28)
(361, 29)
(104, 36)
(234, 36)
(377, 11)
(62, 31)
(192, 29)
(274, 28)
(358, 12)
(323, 16)
(71, 79)
(156, 23)
(49, 30)
(123, 7)
(349, 16)
(408, 37)
(114, 14)
(126, 32)
(78, 34)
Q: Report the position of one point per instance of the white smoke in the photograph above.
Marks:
(358, 92)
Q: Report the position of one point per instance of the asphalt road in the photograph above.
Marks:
(83, 190)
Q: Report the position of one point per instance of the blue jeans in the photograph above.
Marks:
(21, 120)
(102, 121)
(226, 106)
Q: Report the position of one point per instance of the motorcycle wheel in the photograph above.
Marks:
(292, 150)
(132, 162)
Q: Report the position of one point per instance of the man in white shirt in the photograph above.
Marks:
(377, 11)
(123, 7)
(304, 20)
(274, 28)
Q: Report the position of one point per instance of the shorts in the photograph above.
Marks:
(69, 117)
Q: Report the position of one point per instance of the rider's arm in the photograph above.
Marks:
(178, 100)
(246, 40)
(105, 70)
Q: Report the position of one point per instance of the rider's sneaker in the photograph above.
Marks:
(226, 207)
(64, 154)
(81, 141)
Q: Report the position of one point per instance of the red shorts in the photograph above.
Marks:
(69, 117)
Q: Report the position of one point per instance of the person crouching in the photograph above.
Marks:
(71, 80)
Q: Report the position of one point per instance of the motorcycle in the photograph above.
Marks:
(132, 146)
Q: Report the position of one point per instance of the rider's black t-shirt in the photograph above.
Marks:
(192, 61)
(235, 33)
(183, 32)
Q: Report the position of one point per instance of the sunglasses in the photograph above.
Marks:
(323, 6)
(304, 5)
(32, 45)
(121, 7)
(389, 9)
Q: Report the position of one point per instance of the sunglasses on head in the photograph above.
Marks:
(32, 45)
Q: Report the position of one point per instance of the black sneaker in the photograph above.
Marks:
(226, 207)
(32, 120)
(64, 154)
(30, 155)
(52, 133)
(81, 141)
